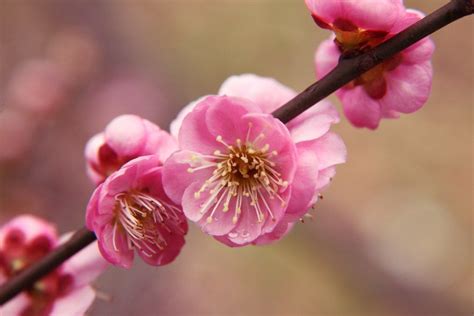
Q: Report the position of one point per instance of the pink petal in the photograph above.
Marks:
(324, 178)
(406, 19)
(175, 243)
(420, 51)
(196, 135)
(31, 226)
(126, 135)
(224, 118)
(96, 177)
(192, 204)
(153, 181)
(314, 122)
(15, 306)
(141, 165)
(159, 142)
(248, 227)
(304, 185)
(408, 87)
(86, 265)
(281, 230)
(92, 148)
(326, 57)
(120, 180)
(75, 303)
(377, 15)
(176, 124)
(266, 92)
(221, 223)
(176, 177)
(330, 149)
(99, 210)
(226, 241)
(122, 255)
(277, 207)
(360, 108)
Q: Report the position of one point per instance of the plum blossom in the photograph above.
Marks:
(242, 175)
(130, 212)
(64, 291)
(126, 137)
(400, 84)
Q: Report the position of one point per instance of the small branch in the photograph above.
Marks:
(351, 68)
(346, 71)
(28, 277)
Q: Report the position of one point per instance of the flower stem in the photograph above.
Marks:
(346, 71)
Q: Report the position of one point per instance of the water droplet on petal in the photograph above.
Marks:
(233, 235)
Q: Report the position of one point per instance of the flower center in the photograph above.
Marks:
(353, 40)
(244, 172)
(145, 221)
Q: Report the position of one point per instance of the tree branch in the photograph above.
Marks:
(346, 71)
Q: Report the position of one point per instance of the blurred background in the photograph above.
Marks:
(393, 235)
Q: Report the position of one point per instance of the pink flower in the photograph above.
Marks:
(242, 175)
(126, 137)
(400, 84)
(64, 291)
(130, 211)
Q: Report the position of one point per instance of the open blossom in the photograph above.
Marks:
(126, 137)
(131, 212)
(64, 291)
(242, 175)
(400, 84)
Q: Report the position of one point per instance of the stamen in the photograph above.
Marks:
(220, 140)
(247, 139)
(246, 170)
(142, 216)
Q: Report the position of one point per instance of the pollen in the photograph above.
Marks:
(243, 174)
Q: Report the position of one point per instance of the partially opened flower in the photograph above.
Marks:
(131, 212)
(126, 137)
(64, 291)
(239, 174)
(400, 84)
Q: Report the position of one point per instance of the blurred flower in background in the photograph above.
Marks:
(392, 235)
(65, 291)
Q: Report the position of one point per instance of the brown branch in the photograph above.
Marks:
(346, 71)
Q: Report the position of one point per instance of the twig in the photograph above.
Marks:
(346, 71)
